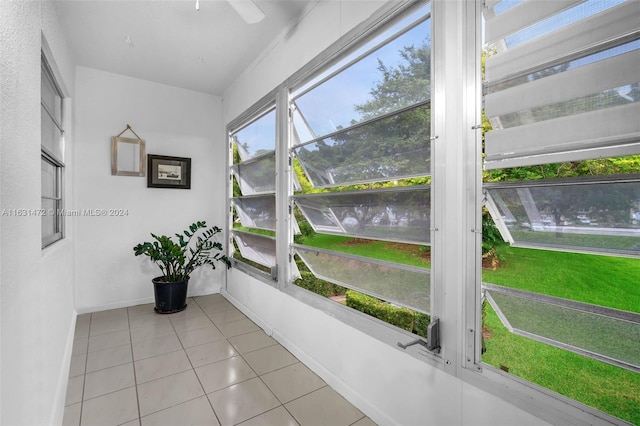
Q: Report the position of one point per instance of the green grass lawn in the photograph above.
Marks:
(603, 386)
(603, 280)
(406, 254)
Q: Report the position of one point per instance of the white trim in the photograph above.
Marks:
(57, 410)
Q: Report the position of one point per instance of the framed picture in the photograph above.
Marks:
(168, 172)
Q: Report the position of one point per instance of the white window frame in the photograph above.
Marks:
(55, 159)
(540, 401)
(265, 106)
(457, 201)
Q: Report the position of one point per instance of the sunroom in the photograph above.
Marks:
(433, 205)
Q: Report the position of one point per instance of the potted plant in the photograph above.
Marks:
(177, 260)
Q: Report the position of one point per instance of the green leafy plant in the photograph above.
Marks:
(177, 260)
(491, 237)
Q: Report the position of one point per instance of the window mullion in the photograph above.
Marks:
(456, 182)
(284, 189)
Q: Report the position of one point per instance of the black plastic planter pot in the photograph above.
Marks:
(170, 297)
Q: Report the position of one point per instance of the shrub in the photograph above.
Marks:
(306, 230)
(491, 237)
(323, 288)
(415, 322)
(400, 317)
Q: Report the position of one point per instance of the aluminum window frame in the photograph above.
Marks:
(55, 159)
(318, 75)
(547, 404)
(383, 19)
(455, 25)
(251, 115)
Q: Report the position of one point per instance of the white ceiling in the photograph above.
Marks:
(170, 41)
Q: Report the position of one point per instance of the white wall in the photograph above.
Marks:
(173, 122)
(389, 385)
(36, 296)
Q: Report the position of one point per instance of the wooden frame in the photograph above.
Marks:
(168, 172)
(127, 163)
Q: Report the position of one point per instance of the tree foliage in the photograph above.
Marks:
(388, 148)
(398, 144)
(407, 84)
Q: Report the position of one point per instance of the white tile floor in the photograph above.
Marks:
(207, 365)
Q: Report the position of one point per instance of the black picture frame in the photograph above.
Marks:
(168, 172)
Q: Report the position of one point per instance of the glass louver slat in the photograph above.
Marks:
(395, 283)
(601, 216)
(257, 138)
(563, 84)
(393, 214)
(590, 83)
(603, 333)
(593, 33)
(257, 248)
(609, 132)
(498, 7)
(533, 20)
(257, 211)
(256, 176)
(522, 15)
(393, 147)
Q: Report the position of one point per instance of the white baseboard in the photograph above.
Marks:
(116, 305)
(248, 312)
(135, 302)
(57, 411)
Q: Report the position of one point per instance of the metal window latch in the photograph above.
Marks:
(433, 337)
(413, 342)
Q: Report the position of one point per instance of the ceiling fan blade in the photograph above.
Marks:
(248, 10)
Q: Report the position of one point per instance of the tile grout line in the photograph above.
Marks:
(225, 339)
(194, 369)
(84, 375)
(263, 382)
(244, 381)
(267, 386)
(159, 378)
(133, 364)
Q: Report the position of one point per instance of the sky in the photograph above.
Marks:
(331, 104)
